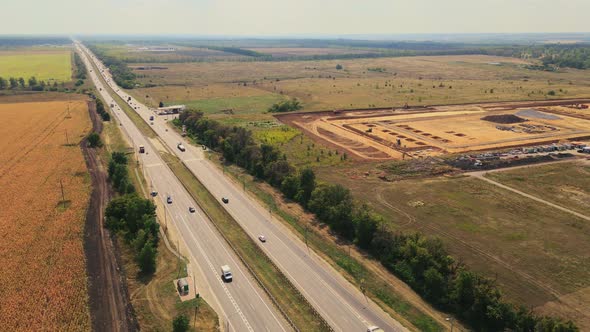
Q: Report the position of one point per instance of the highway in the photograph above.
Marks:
(245, 307)
(343, 306)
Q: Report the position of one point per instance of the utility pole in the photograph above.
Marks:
(306, 244)
(63, 196)
(363, 289)
(197, 303)
(178, 252)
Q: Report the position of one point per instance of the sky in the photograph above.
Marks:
(293, 17)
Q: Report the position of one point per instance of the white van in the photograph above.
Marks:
(226, 273)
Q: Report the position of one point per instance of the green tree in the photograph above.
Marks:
(32, 81)
(21, 82)
(290, 186)
(94, 140)
(339, 67)
(307, 185)
(333, 205)
(161, 104)
(3, 83)
(13, 83)
(180, 324)
(367, 223)
(147, 258)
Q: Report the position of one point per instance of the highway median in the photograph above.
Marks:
(300, 314)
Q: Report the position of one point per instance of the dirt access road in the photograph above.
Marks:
(481, 175)
(110, 308)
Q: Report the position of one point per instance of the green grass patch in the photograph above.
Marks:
(50, 66)
(275, 135)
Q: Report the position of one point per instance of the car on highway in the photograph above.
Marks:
(191, 209)
(181, 147)
(226, 273)
(262, 238)
(169, 199)
(154, 193)
(225, 200)
(374, 329)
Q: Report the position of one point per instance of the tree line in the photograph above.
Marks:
(422, 262)
(132, 216)
(80, 70)
(32, 84)
(100, 109)
(285, 106)
(32, 41)
(122, 74)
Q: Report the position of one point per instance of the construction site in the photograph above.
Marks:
(416, 132)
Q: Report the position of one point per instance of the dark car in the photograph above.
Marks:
(191, 209)
(169, 199)
(225, 200)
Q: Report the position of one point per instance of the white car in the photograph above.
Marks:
(261, 238)
(375, 329)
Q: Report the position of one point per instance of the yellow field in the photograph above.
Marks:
(47, 65)
(43, 275)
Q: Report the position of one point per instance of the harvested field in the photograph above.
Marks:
(43, 276)
(399, 133)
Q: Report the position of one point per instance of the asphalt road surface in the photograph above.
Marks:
(342, 305)
(245, 307)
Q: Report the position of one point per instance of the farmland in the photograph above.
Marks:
(43, 274)
(538, 255)
(45, 64)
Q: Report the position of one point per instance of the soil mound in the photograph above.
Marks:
(504, 118)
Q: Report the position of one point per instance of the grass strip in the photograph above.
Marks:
(286, 297)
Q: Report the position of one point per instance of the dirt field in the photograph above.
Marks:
(539, 256)
(398, 133)
(43, 276)
(110, 307)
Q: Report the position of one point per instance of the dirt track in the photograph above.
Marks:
(110, 308)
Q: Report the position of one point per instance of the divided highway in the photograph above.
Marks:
(245, 307)
(341, 304)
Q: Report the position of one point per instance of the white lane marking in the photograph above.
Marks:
(227, 292)
(249, 283)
